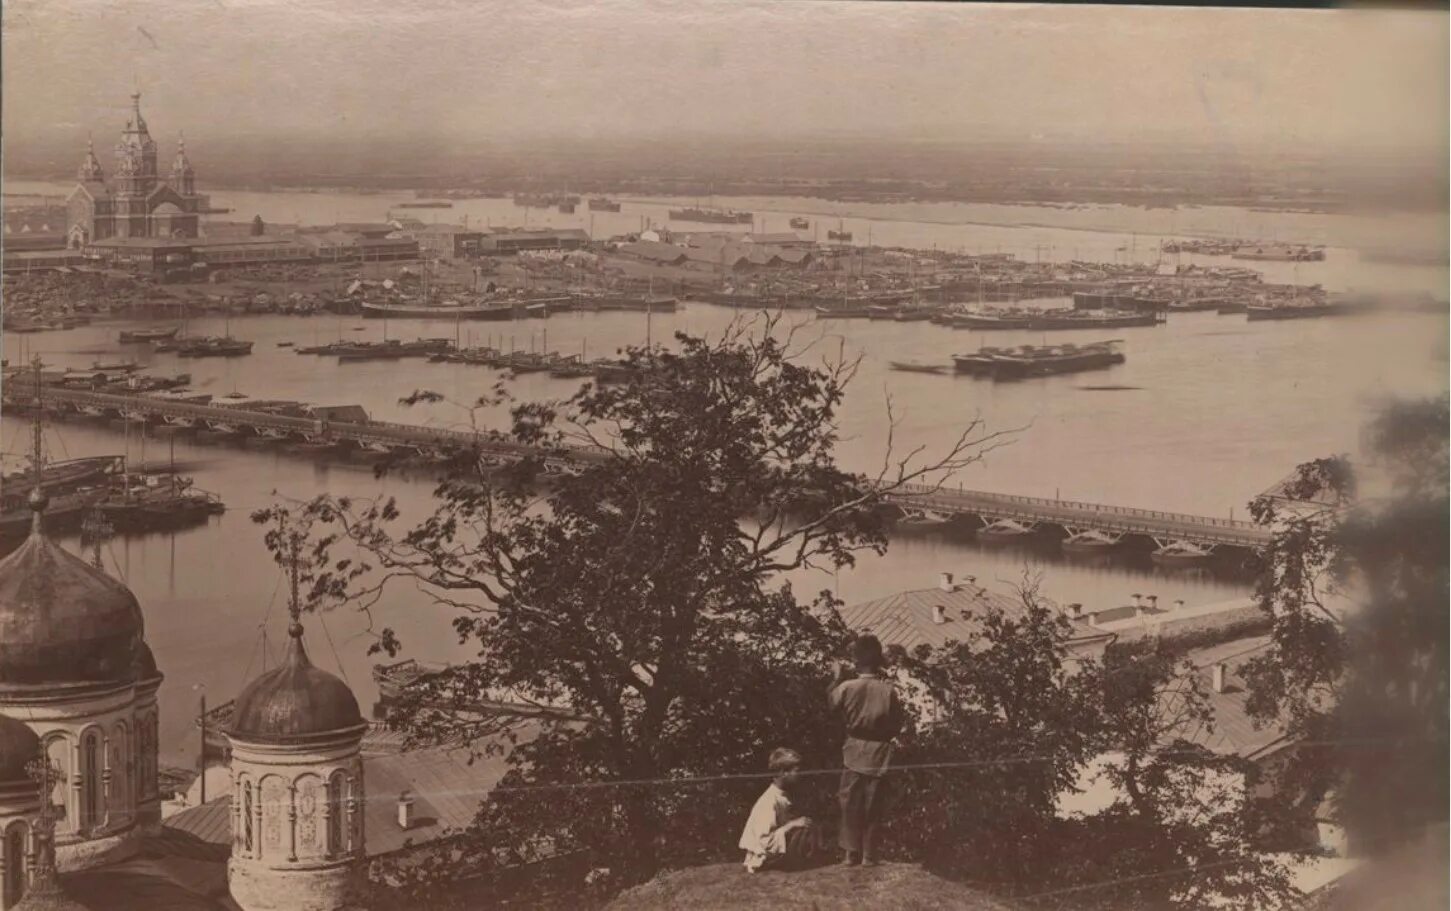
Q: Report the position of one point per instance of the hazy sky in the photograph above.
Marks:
(456, 71)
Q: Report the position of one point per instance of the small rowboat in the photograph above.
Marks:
(911, 367)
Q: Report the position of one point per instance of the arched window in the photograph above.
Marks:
(59, 753)
(92, 799)
(337, 809)
(312, 823)
(13, 886)
(121, 803)
(247, 813)
(273, 793)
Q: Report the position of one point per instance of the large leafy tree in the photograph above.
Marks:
(1016, 719)
(1356, 584)
(627, 573)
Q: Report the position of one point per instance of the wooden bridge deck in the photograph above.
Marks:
(1064, 513)
(1081, 515)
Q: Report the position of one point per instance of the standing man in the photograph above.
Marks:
(872, 713)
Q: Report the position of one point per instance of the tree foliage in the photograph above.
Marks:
(1016, 720)
(621, 585)
(1356, 585)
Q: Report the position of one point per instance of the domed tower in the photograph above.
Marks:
(183, 178)
(297, 777)
(19, 806)
(90, 169)
(75, 668)
(136, 155)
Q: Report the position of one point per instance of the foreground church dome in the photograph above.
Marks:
(295, 701)
(19, 746)
(63, 621)
(297, 778)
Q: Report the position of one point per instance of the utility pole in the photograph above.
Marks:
(202, 724)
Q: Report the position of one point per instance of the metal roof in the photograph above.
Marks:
(906, 618)
(1233, 730)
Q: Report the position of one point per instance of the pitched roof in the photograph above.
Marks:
(330, 238)
(174, 872)
(1233, 730)
(651, 249)
(446, 230)
(906, 618)
(779, 237)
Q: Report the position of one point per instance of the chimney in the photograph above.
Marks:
(1179, 604)
(1138, 599)
(972, 580)
(1221, 670)
(944, 582)
(1153, 602)
(1075, 610)
(939, 613)
(405, 810)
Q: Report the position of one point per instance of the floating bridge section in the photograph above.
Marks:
(239, 421)
(1073, 517)
(1076, 517)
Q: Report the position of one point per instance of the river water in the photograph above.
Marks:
(1209, 411)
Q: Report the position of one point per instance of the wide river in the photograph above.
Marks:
(1209, 411)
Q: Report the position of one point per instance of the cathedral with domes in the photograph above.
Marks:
(80, 814)
(138, 201)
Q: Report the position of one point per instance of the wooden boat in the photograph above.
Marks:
(1292, 311)
(60, 476)
(984, 320)
(213, 346)
(63, 512)
(148, 335)
(915, 314)
(1089, 542)
(1048, 361)
(1005, 530)
(491, 309)
(1180, 553)
(979, 363)
(1196, 304)
(522, 362)
(1231, 307)
(370, 351)
(1094, 319)
(115, 366)
(923, 521)
(910, 367)
(1113, 300)
(844, 311)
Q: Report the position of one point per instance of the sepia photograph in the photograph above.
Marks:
(638, 455)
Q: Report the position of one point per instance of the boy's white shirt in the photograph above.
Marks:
(766, 819)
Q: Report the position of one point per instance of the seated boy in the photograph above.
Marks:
(776, 836)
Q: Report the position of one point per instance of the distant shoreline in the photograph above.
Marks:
(827, 191)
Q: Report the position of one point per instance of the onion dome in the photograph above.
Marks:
(90, 169)
(295, 702)
(19, 746)
(62, 621)
(145, 663)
